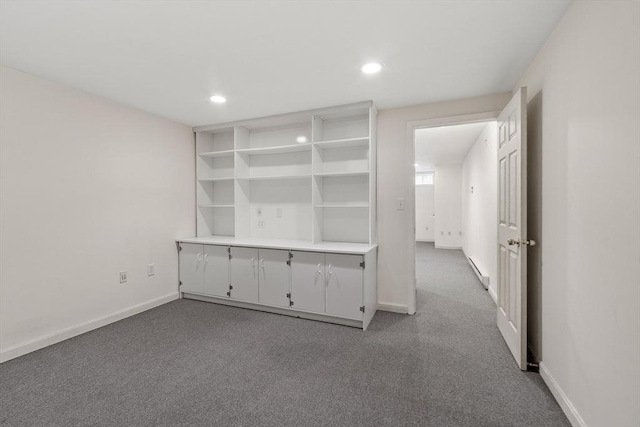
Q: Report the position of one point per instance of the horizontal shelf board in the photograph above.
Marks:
(302, 245)
(342, 205)
(329, 174)
(215, 206)
(225, 153)
(276, 150)
(216, 179)
(264, 178)
(344, 143)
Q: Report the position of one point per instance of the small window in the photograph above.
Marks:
(424, 178)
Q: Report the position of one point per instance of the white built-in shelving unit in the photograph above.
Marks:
(286, 215)
(306, 176)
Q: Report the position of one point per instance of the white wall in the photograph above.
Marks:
(584, 91)
(480, 205)
(424, 213)
(396, 179)
(88, 188)
(448, 206)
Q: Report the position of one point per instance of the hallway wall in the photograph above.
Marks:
(480, 205)
(584, 94)
(448, 206)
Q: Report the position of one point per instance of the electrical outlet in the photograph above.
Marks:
(400, 204)
(123, 276)
(259, 212)
(261, 223)
(151, 269)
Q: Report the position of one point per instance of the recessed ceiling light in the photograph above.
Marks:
(218, 99)
(371, 68)
(301, 139)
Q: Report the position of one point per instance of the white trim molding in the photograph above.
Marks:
(393, 307)
(73, 331)
(493, 295)
(567, 407)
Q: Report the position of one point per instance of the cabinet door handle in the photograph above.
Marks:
(199, 258)
(318, 273)
(262, 267)
(206, 257)
(253, 265)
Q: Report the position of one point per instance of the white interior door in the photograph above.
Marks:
(216, 270)
(344, 285)
(512, 226)
(273, 277)
(307, 281)
(191, 265)
(243, 269)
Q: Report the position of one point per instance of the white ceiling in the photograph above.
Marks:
(269, 57)
(446, 145)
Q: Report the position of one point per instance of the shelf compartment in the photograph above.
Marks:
(275, 177)
(344, 191)
(272, 137)
(264, 166)
(211, 179)
(344, 143)
(276, 150)
(347, 224)
(214, 141)
(215, 206)
(216, 222)
(215, 193)
(330, 128)
(216, 154)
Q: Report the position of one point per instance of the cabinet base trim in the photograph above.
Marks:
(277, 310)
(393, 307)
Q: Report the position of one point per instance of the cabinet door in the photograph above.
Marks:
(216, 270)
(273, 277)
(344, 285)
(244, 274)
(307, 281)
(191, 266)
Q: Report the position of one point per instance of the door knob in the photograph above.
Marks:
(513, 242)
(518, 242)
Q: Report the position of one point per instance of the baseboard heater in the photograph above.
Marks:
(483, 279)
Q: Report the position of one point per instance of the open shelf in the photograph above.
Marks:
(267, 177)
(256, 181)
(217, 154)
(226, 178)
(276, 150)
(332, 174)
(344, 143)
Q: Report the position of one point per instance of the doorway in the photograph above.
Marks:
(456, 209)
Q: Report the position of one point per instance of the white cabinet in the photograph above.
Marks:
(243, 269)
(191, 268)
(274, 277)
(307, 281)
(204, 269)
(344, 276)
(216, 270)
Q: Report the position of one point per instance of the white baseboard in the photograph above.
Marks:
(53, 338)
(493, 294)
(393, 307)
(567, 407)
(457, 248)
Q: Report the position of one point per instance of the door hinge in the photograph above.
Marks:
(362, 308)
(290, 254)
(229, 294)
(230, 286)
(180, 283)
(290, 303)
(289, 262)
(179, 248)
(289, 295)
(229, 252)
(362, 264)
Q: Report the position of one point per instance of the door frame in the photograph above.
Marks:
(412, 126)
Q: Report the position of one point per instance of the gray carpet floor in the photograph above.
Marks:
(195, 363)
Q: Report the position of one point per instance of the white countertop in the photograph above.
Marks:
(301, 245)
